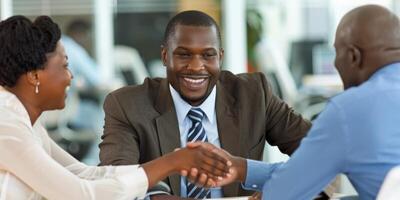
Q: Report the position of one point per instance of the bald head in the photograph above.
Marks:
(371, 26)
(367, 38)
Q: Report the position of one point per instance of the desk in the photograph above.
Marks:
(231, 198)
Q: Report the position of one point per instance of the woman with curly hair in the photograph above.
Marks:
(34, 77)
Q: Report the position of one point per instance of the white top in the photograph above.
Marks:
(390, 189)
(32, 166)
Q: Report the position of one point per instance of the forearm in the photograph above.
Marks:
(158, 169)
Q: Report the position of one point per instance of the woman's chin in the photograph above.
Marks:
(61, 106)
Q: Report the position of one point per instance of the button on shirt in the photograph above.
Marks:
(357, 134)
(209, 123)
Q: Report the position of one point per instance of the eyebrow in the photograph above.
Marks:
(206, 49)
(181, 48)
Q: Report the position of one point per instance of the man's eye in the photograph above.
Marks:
(183, 54)
(208, 55)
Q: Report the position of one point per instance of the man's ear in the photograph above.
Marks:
(355, 56)
(221, 55)
(33, 77)
(164, 55)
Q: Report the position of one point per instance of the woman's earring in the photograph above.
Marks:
(37, 88)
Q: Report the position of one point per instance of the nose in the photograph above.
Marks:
(71, 76)
(196, 63)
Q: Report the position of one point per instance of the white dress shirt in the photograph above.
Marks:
(209, 123)
(32, 166)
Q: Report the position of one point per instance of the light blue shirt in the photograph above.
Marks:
(209, 123)
(358, 134)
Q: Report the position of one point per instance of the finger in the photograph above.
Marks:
(193, 144)
(217, 161)
(214, 163)
(210, 169)
(224, 154)
(202, 180)
(204, 145)
(193, 175)
(256, 196)
(210, 183)
(177, 149)
(220, 155)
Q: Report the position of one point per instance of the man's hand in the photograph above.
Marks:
(256, 196)
(201, 157)
(237, 170)
(206, 161)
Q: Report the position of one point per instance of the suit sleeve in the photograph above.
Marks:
(120, 142)
(285, 128)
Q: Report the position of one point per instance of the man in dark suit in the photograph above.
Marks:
(240, 111)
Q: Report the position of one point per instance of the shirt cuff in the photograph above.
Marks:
(256, 175)
(160, 188)
(135, 181)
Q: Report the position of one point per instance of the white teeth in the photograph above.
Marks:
(196, 81)
(67, 88)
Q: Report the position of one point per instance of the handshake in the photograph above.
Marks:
(202, 163)
(208, 166)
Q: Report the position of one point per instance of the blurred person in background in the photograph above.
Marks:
(86, 93)
(87, 75)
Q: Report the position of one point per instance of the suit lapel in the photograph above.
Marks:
(228, 129)
(167, 129)
(169, 136)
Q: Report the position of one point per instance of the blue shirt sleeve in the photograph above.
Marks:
(257, 173)
(320, 157)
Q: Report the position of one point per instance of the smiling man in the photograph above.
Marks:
(196, 102)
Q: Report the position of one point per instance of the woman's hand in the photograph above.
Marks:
(203, 159)
(237, 170)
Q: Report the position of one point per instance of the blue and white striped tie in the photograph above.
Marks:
(196, 133)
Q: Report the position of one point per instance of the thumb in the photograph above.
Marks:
(193, 144)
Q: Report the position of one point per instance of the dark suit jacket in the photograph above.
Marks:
(141, 123)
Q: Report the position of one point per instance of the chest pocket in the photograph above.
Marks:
(256, 151)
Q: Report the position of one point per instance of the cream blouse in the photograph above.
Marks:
(32, 166)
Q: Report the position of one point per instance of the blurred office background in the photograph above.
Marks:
(291, 41)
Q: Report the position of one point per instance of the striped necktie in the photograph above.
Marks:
(196, 133)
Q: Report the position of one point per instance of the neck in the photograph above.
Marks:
(28, 101)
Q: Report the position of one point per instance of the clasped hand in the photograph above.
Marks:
(213, 167)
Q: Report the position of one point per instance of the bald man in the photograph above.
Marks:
(358, 133)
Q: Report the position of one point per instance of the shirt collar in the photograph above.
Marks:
(390, 68)
(182, 107)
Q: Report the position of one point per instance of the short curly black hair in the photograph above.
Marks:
(24, 45)
(190, 18)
